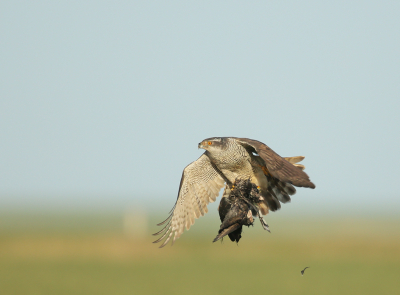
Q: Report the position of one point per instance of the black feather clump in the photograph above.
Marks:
(238, 209)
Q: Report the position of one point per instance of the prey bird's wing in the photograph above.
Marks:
(200, 185)
(277, 166)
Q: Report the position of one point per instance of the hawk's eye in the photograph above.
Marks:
(209, 143)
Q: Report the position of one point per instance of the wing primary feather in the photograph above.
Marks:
(163, 229)
(163, 236)
(161, 223)
(173, 208)
(200, 185)
(167, 240)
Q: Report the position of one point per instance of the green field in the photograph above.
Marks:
(91, 254)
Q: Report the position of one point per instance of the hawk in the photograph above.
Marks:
(225, 160)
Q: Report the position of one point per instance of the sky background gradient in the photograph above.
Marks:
(103, 103)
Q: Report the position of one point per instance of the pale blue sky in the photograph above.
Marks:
(103, 102)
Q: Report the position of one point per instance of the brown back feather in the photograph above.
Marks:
(277, 166)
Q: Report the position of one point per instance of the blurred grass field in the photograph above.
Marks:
(93, 254)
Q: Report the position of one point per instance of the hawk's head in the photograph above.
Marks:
(212, 144)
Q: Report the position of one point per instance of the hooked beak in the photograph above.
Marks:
(200, 146)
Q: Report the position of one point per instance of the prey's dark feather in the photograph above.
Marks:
(238, 209)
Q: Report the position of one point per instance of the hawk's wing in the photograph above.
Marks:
(277, 166)
(200, 185)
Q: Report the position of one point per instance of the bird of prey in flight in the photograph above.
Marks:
(302, 272)
(225, 160)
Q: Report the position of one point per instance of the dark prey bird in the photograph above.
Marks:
(225, 160)
(302, 272)
(238, 209)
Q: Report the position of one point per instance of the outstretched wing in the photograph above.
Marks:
(277, 166)
(200, 185)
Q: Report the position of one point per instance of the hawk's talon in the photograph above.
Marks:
(263, 223)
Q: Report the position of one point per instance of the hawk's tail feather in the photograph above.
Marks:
(294, 160)
(280, 191)
(281, 195)
(271, 200)
(289, 188)
(302, 167)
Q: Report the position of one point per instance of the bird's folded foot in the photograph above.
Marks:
(263, 223)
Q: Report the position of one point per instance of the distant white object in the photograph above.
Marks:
(135, 223)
